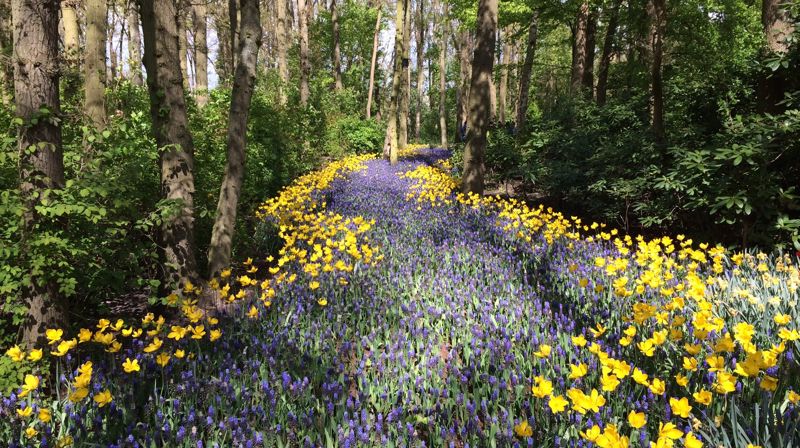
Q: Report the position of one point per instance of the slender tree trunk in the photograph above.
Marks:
(305, 64)
(525, 75)
(390, 150)
(95, 62)
(337, 56)
(480, 97)
(219, 252)
(421, 27)
(588, 65)
(579, 48)
(502, 94)
(134, 45)
(375, 44)
(405, 83)
(111, 66)
(233, 19)
(183, 44)
(6, 54)
(608, 48)
(199, 29)
(656, 12)
(223, 31)
(778, 27)
(282, 44)
(71, 74)
(443, 75)
(41, 162)
(171, 131)
(465, 64)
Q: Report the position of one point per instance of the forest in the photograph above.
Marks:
(408, 223)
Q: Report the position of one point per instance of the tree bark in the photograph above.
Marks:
(337, 56)
(502, 93)
(200, 51)
(219, 252)
(588, 63)
(778, 27)
(605, 58)
(41, 162)
(656, 12)
(134, 46)
(305, 64)
(465, 66)
(282, 44)
(223, 31)
(95, 62)
(375, 44)
(421, 28)
(171, 131)
(525, 75)
(233, 20)
(390, 150)
(579, 48)
(405, 85)
(480, 97)
(443, 76)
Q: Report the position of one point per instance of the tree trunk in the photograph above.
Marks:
(6, 53)
(41, 161)
(183, 44)
(480, 97)
(69, 19)
(199, 29)
(421, 27)
(778, 27)
(656, 12)
(171, 131)
(443, 76)
(305, 64)
(405, 85)
(282, 44)
(579, 48)
(375, 44)
(134, 45)
(233, 20)
(223, 31)
(219, 252)
(391, 141)
(608, 48)
(337, 56)
(588, 64)
(502, 94)
(525, 75)
(95, 62)
(111, 67)
(465, 65)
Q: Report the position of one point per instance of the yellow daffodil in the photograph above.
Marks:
(103, 398)
(543, 352)
(54, 335)
(523, 429)
(637, 419)
(30, 385)
(15, 353)
(130, 366)
(45, 415)
(680, 407)
(557, 404)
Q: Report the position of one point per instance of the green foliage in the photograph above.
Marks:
(355, 135)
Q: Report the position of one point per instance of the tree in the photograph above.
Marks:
(219, 252)
(183, 43)
(404, 105)
(462, 95)
(480, 98)
(390, 149)
(222, 27)
(443, 75)
(134, 45)
(282, 43)
(41, 161)
(69, 19)
(375, 44)
(525, 74)
(778, 27)
(6, 52)
(95, 62)
(305, 63)
(608, 48)
(337, 54)
(587, 82)
(421, 27)
(656, 13)
(200, 51)
(502, 93)
(171, 131)
(579, 47)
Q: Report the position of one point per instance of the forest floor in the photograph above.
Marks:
(405, 315)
